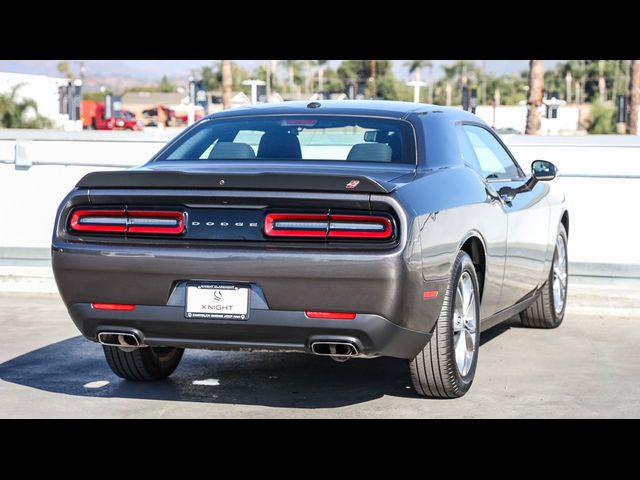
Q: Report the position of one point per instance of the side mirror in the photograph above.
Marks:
(543, 171)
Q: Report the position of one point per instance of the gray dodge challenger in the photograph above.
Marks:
(338, 228)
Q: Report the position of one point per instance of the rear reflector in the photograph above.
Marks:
(128, 221)
(331, 315)
(113, 306)
(327, 225)
(430, 294)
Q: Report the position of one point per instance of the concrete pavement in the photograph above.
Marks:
(589, 367)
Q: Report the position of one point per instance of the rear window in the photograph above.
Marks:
(297, 137)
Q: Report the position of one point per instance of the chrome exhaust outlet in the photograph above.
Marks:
(339, 351)
(124, 340)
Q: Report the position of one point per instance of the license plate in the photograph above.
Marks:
(227, 302)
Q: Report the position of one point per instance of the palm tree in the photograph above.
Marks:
(416, 66)
(321, 66)
(291, 66)
(602, 81)
(227, 82)
(536, 82)
(430, 82)
(634, 105)
(374, 78)
(308, 77)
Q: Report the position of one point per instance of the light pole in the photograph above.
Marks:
(416, 84)
(254, 89)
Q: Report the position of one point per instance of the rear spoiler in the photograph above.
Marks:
(235, 181)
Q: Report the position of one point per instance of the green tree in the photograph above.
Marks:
(239, 75)
(359, 72)
(20, 113)
(512, 87)
(331, 82)
(96, 96)
(293, 73)
(456, 75)
(322, 67)
(64, 68)
(166, 86)
(211, 78)
(602, 118)
(416, 66)
(227, 83)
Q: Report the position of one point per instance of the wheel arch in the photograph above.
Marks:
(473, 245)
(565, 221)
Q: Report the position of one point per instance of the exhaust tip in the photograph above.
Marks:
(334, 349)
(119, 339)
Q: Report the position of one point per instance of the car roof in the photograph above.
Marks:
(382, 108)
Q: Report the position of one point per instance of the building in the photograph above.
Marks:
(44, 90)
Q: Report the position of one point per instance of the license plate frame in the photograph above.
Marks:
(217, 301)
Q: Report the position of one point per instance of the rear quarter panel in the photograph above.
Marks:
(447, 206)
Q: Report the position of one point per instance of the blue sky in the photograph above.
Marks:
(154, 69)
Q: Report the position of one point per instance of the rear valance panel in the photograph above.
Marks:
(261, 181)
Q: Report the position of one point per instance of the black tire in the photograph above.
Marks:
(434, 371)
(542, 313)
(143, 364)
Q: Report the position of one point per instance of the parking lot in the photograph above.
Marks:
(589, 367)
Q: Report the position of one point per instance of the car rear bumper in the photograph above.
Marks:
(384, 283)
(265, 329)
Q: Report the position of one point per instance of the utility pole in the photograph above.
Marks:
(374, 74)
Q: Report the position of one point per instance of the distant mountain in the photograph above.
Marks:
(117, 73)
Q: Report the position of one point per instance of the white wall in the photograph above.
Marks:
(599, 174)
(515, 116)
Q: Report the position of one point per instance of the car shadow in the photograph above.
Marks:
(77, 367)
(267, 379)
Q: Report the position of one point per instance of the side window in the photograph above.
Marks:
(466, 151)
(493, 160)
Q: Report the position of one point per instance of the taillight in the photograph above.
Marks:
(99, 221)
(359, 226)
(296, 225)
(328, 226)
(128, 221)
(169, 223)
